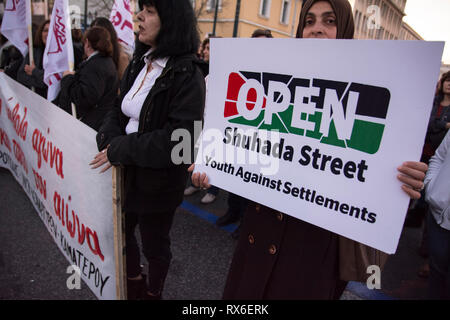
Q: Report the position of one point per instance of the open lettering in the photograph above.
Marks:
(346, 115)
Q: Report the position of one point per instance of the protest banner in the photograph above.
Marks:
(48, 152)
(317, 128)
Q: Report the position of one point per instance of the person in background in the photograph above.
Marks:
(213, 191)
(120, 57)
(10, 57)
(437, 186)
(162, 91)
(262, 33)
(78, 47)
(32, 75)
(238, 204)
(437, 128)
(93, 87)
(278, 256)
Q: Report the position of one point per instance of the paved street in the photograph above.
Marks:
(32, 267)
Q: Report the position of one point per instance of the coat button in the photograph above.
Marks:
(280, 216)
(257, 208)
(251, 239)
(272, 249)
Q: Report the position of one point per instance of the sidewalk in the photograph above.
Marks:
(399, 279)
(32, 267)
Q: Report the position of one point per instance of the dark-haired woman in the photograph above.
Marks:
(32, 75)
(162, 92)
(93, 88)
(279, 256)
(120, 58)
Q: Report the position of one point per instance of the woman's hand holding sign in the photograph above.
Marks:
(199, 179)
(412, 174)
(101, 159)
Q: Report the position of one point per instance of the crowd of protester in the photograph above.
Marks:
(135, 101)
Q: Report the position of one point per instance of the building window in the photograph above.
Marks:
(285, 8)
(364, 26)
(358, 19)
(264, 8)
(211, 5)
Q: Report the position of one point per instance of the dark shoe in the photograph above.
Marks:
(152, 297)
(424, 271)
(226, 219)
(136, 288)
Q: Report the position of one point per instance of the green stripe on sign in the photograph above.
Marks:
(366, 136)
(252, 123)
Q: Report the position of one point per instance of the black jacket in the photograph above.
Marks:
(93, 90)
(36, 80)
(152, 179)
(11, 61)
(436, 127)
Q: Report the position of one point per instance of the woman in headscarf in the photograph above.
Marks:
(279, 256)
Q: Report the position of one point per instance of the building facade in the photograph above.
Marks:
(382, 20)
(279, 16)
(374, 19)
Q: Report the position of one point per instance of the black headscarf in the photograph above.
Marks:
(344, 18)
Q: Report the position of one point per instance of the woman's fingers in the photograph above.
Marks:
(100, 159)
(200, 180)
(413, 194)
(204, 181)
(414, 169)
(410, 181)
(107, 166)
(412, 174)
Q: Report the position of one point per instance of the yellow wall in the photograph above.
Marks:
(249, 19)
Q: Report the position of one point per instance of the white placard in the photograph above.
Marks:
(340, 117)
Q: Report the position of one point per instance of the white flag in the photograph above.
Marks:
(58, 54)
(122, 19)
(15, 22)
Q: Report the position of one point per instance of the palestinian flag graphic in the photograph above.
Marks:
(347, 115)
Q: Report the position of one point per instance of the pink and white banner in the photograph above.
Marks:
(48, 152)
(122, 19)
(15, 22)
(58, 54)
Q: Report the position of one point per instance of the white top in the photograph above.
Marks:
(134, 100)
(437, 184)
(92, 54)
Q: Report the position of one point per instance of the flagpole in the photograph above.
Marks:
(30, 34)
(70, 50)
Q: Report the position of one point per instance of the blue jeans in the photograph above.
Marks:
(439, 255)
